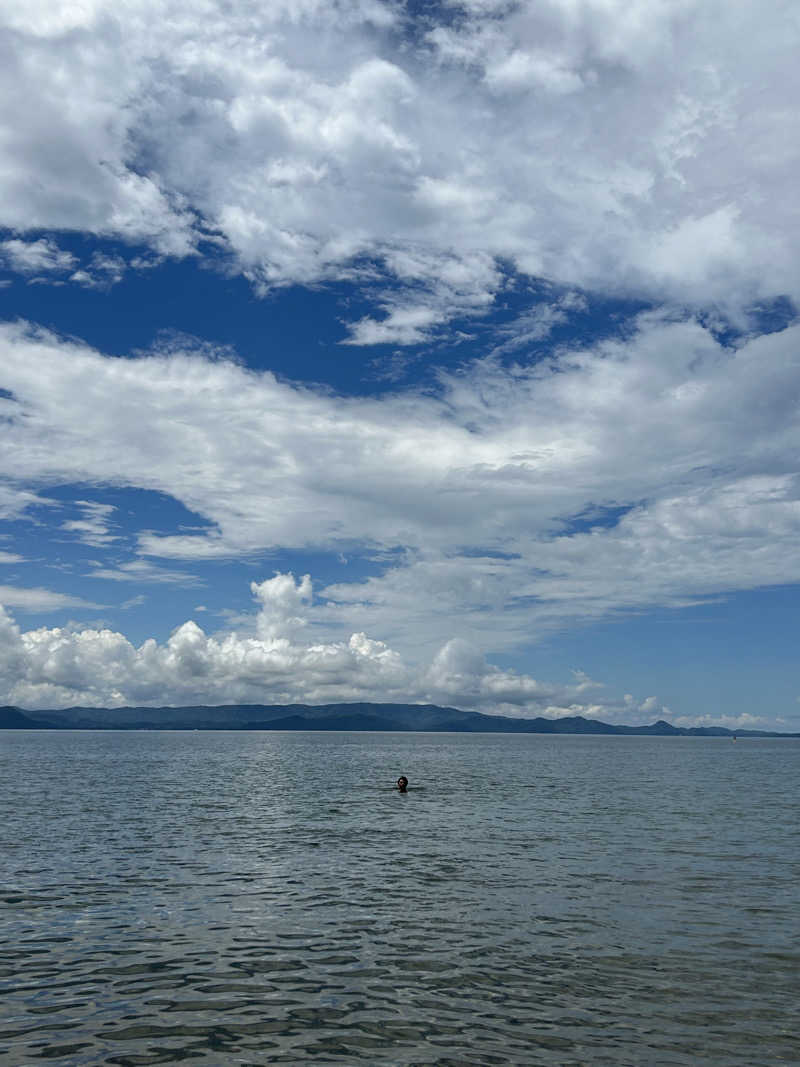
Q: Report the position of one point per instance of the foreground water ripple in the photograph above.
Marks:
(268, 898)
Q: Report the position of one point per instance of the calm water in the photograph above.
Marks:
(267, 898)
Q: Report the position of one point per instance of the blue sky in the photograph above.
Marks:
(365, 351)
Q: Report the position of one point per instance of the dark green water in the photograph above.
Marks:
(267, 898)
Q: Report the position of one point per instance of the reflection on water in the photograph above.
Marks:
(270, 898)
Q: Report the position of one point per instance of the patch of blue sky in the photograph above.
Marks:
(729, 655)
(765, 317)
(76, 524)
(294, 332)
(772, 316)
(134, 510)
(223, 590)
(566, 316)
(191, 299)
(298, 333)
(466, 552)
(422, 16)
(603, 517)
(82, 542)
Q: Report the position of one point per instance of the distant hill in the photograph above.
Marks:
(400, 717)
(14, 719)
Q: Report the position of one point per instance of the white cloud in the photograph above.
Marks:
(444, 287)
(744, 721)
(36, 257)
(63, 666)
(282, 604)
(628, 146)
(634, 148)
(39, 600)
(134, 602)
(16, 501)
(141, 570)
(404, 325)
(537, 323)
(101, 272)
(473, 493)
(39, 258)
(93, 528)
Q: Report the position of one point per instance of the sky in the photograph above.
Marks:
(380, 350)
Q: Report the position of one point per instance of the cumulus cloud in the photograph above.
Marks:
(282, 604)
(63, 666)
(623, 145)
(460, 668)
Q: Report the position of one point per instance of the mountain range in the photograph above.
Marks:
(386, 717)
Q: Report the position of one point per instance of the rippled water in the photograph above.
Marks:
(268, 898)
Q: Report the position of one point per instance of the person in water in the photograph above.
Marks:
(402, 783)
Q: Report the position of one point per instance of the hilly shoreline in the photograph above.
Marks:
(354, 716)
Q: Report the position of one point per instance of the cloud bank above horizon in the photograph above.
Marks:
(274, 664)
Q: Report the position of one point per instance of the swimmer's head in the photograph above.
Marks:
(402, 783)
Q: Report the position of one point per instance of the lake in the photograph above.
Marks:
(256, 898)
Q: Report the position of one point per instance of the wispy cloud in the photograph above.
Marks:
(40, 600)
(134, 602)
(101, 272)
(479, 486)
(42, 256)
(139, 570)
(94, 528)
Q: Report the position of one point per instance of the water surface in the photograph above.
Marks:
(254, 898)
